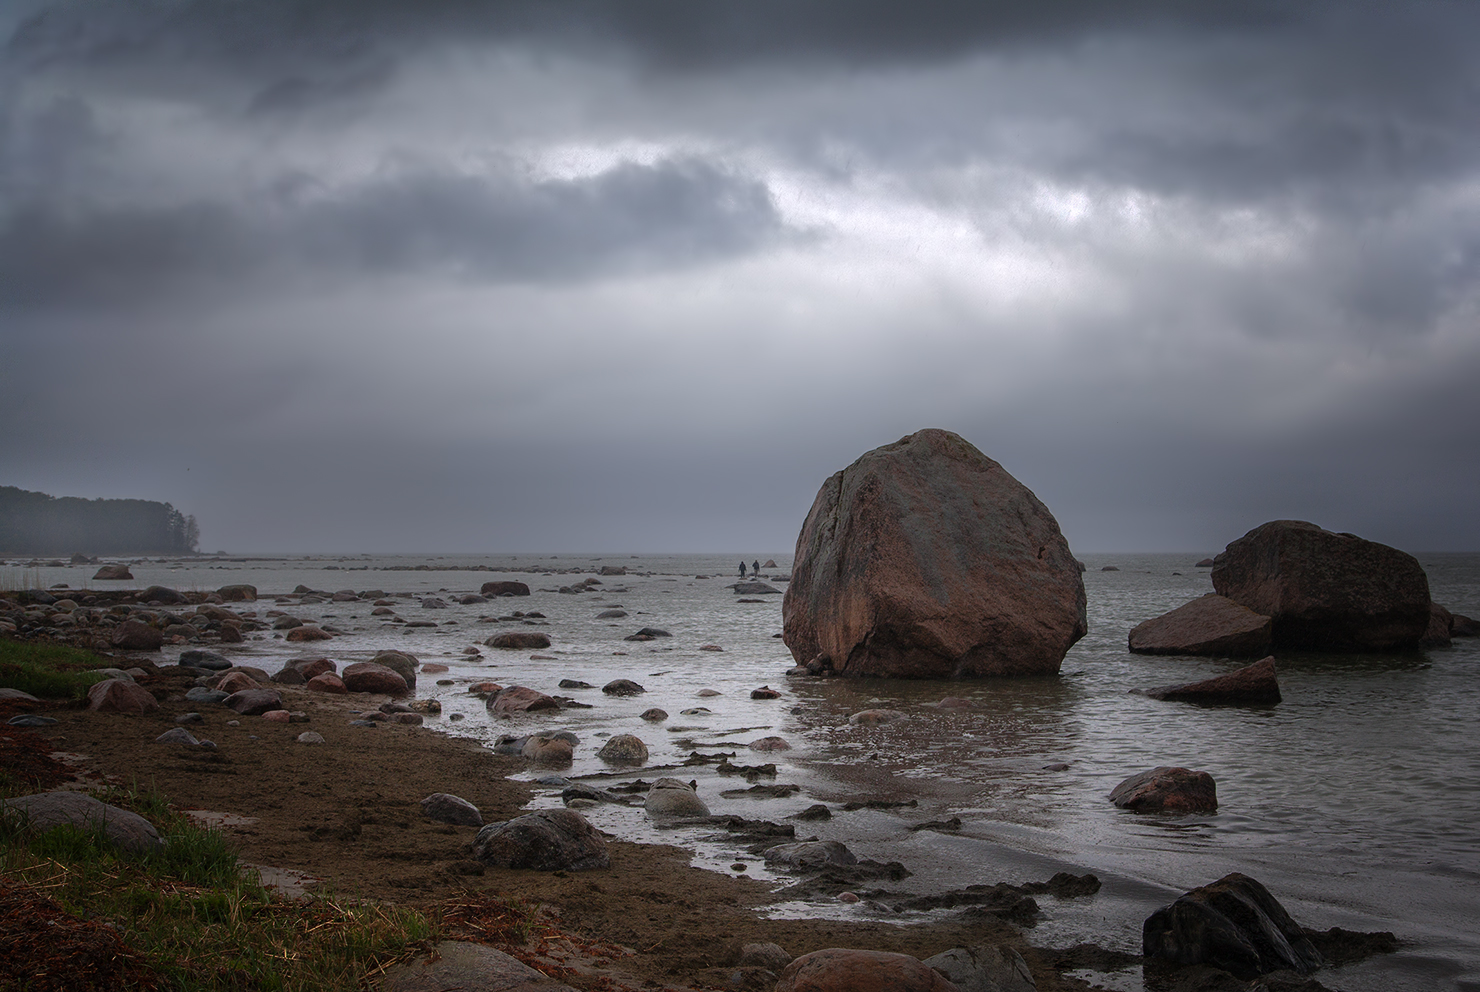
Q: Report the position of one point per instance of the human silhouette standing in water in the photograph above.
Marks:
(742, 570)
(756, 565)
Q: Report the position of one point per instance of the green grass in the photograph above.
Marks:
(48, 671)
(195, 918)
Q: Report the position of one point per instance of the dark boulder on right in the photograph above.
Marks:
(1326, 591)
(1441, 622)
(1233, 924)
(1212, 625)
(1254, 683)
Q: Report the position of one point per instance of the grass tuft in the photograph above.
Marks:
(48, 671)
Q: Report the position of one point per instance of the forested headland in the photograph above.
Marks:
(38, 524)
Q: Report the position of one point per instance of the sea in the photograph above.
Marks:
(1355, 800)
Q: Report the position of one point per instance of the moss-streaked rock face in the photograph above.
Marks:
(926, 559)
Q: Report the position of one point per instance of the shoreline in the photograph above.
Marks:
(346, 814)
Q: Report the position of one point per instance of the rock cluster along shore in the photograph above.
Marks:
(1291, 584)
(926, 559)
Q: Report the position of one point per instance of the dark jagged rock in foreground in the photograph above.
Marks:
(1326, 591)
(1211, 625)
(926, 559)
(1233, 924)
(1254, 683)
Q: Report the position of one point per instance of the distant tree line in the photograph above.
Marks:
(38, 524)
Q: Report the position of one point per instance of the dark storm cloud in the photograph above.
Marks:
(490, 227)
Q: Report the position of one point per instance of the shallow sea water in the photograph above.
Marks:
(1356, 800)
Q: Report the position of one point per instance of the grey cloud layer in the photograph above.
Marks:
(1180, 267)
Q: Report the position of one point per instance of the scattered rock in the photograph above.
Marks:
(177, 735)
(163, 595)
(624, 749)
(239, 593)
(817, 811)
(519, 639)
(253, 702)
(311, 667)
(1254, 683)
(135, 635)
(809, 855)
(547, 840)
(327, 682)
(1063, 885)
(467, 967)
(669, 797)
(366, 676)
(769, 744)
(1210, 625)
(712, 647)
(1326, 591)
(984, 968)
(201, 658)
(548, 751)
(873, 592)
(126, 831)
(1205, 563)
(655, 715)
(754, 589)
(845, 970)
(204, 694)
(308, 632)
(113, 572)
(445, 808)
(310, 737)
(120, 696)
(875, 718)
(521, 699)
(1167, 790)
(764, 692)
(235, 682)
(772, 957)
(1233, 924)
(622, 687)
(401, 663)
(504, 589)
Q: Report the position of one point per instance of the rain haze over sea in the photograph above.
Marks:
(1356, 800)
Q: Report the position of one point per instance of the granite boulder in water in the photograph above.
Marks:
(1326, 591)
(1233, 924)
(926, 559)
(1254, 683)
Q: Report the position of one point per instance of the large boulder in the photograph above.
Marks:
(114, 573)
(1254, 683)
(1233, 924)
(1211, 625)
(308, 632)
(546, 840)
(125, 830)
(926, 559)
(239, 593)
(504, 589)
(624, 749)
(366, 676)
(446, 808)
(1441, 622)
(163, 594)
(120, 696)
(1326, 591)
(1167, 790)
(839, 969)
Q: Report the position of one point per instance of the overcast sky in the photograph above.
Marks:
(638, 276)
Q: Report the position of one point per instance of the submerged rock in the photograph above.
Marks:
(1233, 924)
(1252, 684)
(669, 797)
(926, 559)
(1211, 625)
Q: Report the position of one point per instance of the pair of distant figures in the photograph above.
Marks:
(755, 565)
